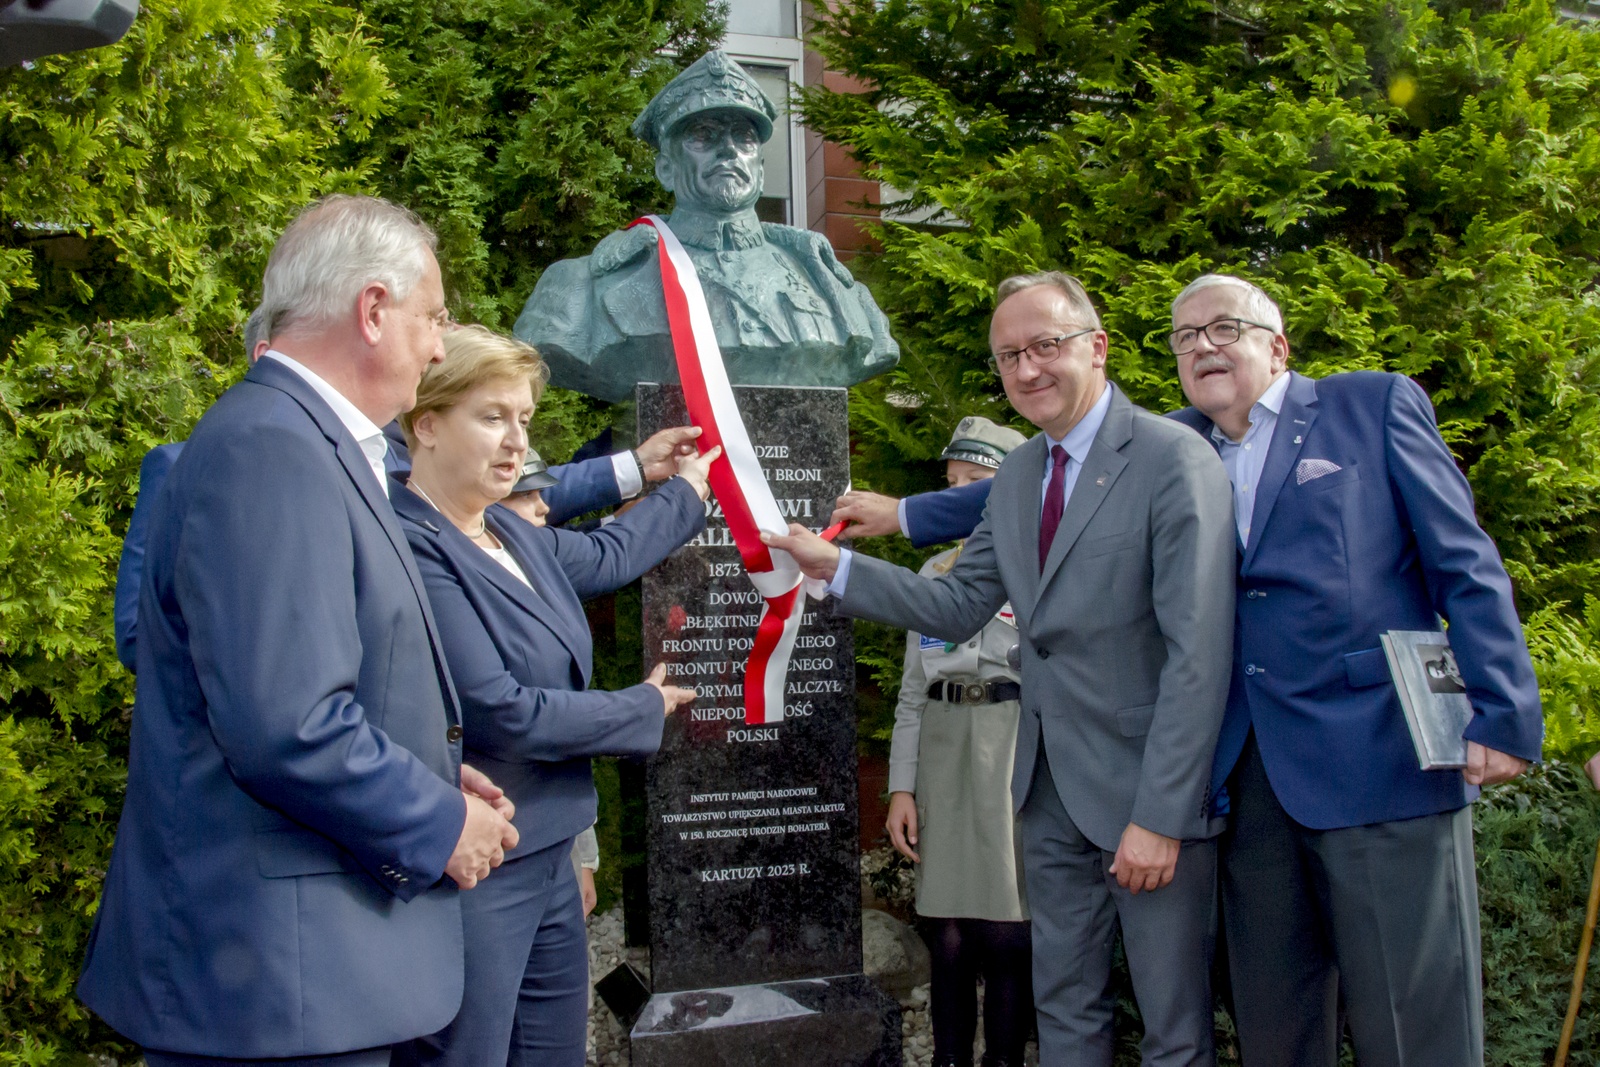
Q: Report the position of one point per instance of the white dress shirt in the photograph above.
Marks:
(1246, 458)
(368, 434)
(1077, 442)
(509, 562)
(626, 468)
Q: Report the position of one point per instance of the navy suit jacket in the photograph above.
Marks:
(1388, 541)
(522, 658)
(275, 887)
(946, 515)
(125, 603)
(581, 487)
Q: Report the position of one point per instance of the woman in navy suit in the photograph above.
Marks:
(507, 597)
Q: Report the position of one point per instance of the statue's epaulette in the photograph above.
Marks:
(808, 242)
(617, 250)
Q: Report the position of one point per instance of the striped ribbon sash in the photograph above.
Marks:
(736, 478)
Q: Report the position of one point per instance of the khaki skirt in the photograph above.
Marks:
(966, 835)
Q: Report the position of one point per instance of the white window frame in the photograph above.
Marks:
(788, 53)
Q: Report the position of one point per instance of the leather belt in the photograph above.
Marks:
(974, 692)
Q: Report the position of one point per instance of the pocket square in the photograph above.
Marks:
(1311, 469)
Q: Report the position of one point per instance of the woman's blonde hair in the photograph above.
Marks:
(474, 355)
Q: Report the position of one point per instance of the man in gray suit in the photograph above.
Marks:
(1111, 535)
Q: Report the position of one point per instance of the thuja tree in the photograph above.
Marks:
(1417, 184)
(141, 189)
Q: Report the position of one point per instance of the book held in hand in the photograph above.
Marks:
(1431, 694)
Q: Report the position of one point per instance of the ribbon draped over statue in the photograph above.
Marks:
(736, 478)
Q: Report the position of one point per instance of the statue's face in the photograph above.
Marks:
(711, 161)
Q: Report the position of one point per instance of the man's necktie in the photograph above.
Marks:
(1055, 499)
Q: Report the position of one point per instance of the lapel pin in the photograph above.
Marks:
(1100, 480)
(1298, 438)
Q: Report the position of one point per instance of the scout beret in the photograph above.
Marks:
(535, 475)
(981, 441)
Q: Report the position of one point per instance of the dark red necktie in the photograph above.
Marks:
(1055, 499)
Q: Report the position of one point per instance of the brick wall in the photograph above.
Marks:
(837, 198)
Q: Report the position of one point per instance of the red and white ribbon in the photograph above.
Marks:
(736, 478)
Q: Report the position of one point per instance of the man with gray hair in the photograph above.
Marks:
(1109, 534)
(295, 797)
(1347, 872)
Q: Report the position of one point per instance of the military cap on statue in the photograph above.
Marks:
(981, 441)
(711, 83)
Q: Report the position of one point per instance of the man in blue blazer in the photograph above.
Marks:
(925, 518)
(295, 796)
(153, 472)
(1346, 869)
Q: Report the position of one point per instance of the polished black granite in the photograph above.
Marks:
(625, 991)
(824, 1022)
(751, 835)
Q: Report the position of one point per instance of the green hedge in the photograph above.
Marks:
(1536, 840)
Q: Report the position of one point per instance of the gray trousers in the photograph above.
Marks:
(1385, 914)
(1168, 936)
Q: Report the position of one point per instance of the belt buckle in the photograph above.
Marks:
(974, 693)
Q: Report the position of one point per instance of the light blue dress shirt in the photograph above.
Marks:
(1245, 459)
(1077, 442)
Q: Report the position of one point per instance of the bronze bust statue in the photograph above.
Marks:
(786, 311)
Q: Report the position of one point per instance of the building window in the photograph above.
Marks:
(763, 37)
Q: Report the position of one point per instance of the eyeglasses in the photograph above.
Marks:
(1039, 353)
(1221, 333)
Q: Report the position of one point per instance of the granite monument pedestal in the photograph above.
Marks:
(753, 868)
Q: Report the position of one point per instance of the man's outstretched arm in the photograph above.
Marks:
(926, 518)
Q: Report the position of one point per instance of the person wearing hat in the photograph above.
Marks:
(786, 312)
(955, 735)
(527, 496)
